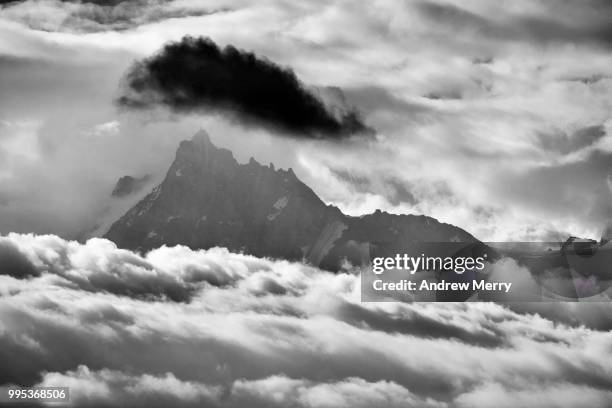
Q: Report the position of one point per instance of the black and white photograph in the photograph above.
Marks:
(306, 204)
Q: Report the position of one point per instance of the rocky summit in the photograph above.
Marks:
(208, 199)
(127, 185)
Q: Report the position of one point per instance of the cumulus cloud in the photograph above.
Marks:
(99, 266)
(108, 388)
(238, 340)
(196, 75)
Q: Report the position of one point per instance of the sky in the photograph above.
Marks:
(494, 117)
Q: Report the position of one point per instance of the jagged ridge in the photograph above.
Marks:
(208, 199)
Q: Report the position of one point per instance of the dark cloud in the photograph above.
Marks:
(561, 142)
(566, 22)
(101, 15)
(588, 79)
(451, 94)
(393, 189)
(14, 263)
(482, 60)
(100, 2)
(195, 75)
(421, 325)
(595, 315)
(358, 182)
(127, 14)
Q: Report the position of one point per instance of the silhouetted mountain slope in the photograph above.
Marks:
(208, 199)
(127, 185)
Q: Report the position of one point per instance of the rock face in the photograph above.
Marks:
(127, 185)
(208, 199)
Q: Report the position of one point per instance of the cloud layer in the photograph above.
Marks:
(255, 332)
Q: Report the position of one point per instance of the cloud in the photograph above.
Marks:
(279, 391)
(450, 154)
(556, 395)
(238, 340)
(569, 23)
(13, 262)
(565, 144)
(98, 15)
(99, 266)
(579, 184)
(196, 75)
(109, 388)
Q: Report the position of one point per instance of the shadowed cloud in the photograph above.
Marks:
(196, 75)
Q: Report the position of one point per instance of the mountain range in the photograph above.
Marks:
(208, 199)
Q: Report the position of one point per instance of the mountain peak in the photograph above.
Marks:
(209, 199)
(201, 141)
(201, 136)
(199, 152)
